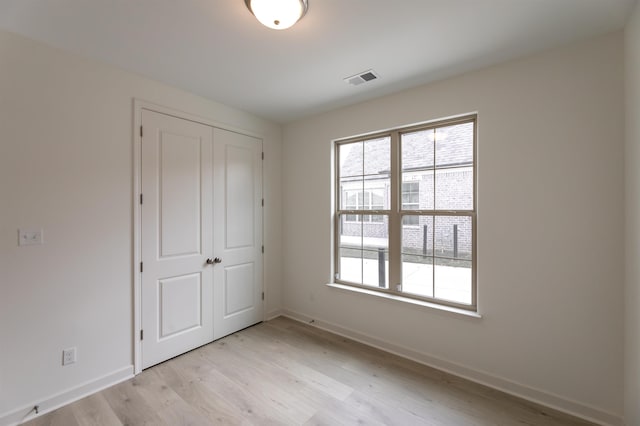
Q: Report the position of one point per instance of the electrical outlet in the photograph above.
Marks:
(30, 237)
(68, 356)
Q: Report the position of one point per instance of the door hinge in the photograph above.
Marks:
(262, 249)
(140, 198)
(141, 334)
(263, 202)
(263, 295)
(263, 155)
(141, 132)
(141, 267)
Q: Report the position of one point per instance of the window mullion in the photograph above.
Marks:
(433, 227)
(360, 206)
(395, 220)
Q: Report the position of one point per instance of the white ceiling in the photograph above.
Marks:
(217, 49)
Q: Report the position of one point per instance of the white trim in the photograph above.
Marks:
(537, 396)
(138, 106)
(273, 314)
(68, 396)
(411, 300)
(137, 241)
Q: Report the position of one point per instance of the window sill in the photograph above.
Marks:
(409, 300)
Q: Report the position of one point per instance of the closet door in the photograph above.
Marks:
(200, 232)
(176, 235)
(237, 233)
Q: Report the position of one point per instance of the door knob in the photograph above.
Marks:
(212, 261)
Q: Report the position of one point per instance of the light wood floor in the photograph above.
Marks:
(285, 372)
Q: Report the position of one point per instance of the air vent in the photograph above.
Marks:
(362, 77)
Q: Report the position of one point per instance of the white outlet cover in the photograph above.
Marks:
(68, 356)
(30, 237)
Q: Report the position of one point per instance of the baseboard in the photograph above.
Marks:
(537, 396)
(55, 401)
(273, 314)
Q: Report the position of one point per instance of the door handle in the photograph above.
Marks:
(213, 261)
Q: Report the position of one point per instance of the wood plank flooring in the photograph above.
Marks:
(287, 373)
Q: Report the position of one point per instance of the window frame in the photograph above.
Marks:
(395, 212)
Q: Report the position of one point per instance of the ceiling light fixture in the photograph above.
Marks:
(277, 14)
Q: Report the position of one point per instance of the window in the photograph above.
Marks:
(424, 200)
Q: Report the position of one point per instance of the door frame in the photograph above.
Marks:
(138, 106)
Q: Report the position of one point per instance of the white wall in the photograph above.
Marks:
(550, 228)
(632, 223)
(66, 150)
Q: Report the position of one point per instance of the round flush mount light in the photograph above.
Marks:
(277, 14)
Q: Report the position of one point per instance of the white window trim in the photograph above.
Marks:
(395, 214)
(404, 299)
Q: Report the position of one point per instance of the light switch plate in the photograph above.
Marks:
(30, 237)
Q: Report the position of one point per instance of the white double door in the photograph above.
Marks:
(201, 235)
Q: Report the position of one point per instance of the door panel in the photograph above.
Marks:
(180, 301)
(179, 182)
(238, 288)
(240, 193)
(237, 205)
(176, 231)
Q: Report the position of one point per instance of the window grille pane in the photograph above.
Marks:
(375, 245)
(410, 201)
(377, 156)
(417, 190)
(377, 199)
(363, 199)
(453, 237)
(417, 150)
(411, 220)
(378, 190)
(454, 189)
(417, 241)
(410, 197)
(417, 255)
(351, 200)
(351, 159)
(417, 275)
(454, 145)
(350, 245)
(453, 280)
(375, 267)
(349, 190)
(350, 265)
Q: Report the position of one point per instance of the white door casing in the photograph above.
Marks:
(237, 232)
(176, 225)
(202, 188)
